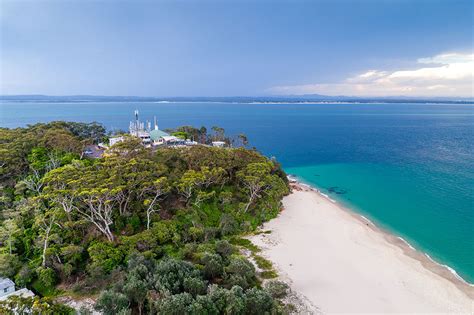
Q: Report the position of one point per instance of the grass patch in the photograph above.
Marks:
(243, 242)
(268, 274)
(263, 232)
(263, 263)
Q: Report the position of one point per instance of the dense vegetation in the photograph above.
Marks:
(144, 231)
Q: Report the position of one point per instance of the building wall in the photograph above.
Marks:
(7, 290)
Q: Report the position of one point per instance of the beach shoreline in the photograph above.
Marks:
(427, 261)
(411, 267)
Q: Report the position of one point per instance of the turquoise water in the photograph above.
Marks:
(395, 198)
(408, 167)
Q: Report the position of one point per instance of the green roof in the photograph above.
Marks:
(157, 134)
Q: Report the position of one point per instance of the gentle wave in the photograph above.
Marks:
(406, 243)
(450, 270)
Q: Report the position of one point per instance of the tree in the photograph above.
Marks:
(61, 140)
(219, 133)
(213, 265)
(7, 232)
(131, 146)
(243, 139)
(46, 276)
(189, 182)
(83, 218)
(111, 302)
(87, 131)
(154, 190)
(171, 274)
(59, 191)
(258, 302)
(228, 301)
(136, 290)
(277, 289)
(177, 304)
(105, 256)
(240, 272)
(224, 248)
(96, 192)
(203, 134)
(9, 264)
(202, 196)
(215, 175)
(46, 222)
(255, 179)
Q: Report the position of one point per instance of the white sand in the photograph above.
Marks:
(342, 264)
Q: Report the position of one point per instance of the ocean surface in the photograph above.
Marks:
(407, 167)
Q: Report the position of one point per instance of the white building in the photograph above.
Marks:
(7, 289)
(151, 137)
(219, 144)
(114, 140)
(6, 286)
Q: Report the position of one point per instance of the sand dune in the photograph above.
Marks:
(343, 264)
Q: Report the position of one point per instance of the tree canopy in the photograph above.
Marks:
(145, 231)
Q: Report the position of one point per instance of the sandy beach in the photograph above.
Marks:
(342, 263)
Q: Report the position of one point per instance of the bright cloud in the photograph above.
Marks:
(442, 75)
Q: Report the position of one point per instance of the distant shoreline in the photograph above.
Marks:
(282, 99)
(368, 246)
(249, 103)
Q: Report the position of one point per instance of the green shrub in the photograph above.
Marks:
(228, 301)
(224, 248)
(262, 263)
(196, 233)
(213, 265)
(203, 305)
(24, 276)
(9, 264)
(240, 272)
(111, 303)
(71, 253)
(46, 276)
(258, 302)
(227, 224)
(268, 274)
(177, 304)
(194, 286)
(164, 231)
(34, 305)
(135, 222)
(171, 273)
(277, 289)
(105, 256)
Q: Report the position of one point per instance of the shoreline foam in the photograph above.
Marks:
(440, 279)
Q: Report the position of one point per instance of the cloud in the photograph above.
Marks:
(450, 74)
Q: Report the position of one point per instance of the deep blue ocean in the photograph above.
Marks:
(408, 167)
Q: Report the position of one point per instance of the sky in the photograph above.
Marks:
(237, 48)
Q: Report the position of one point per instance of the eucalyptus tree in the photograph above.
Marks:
(189, 183)
(153, 191)
(46, 222)
(255, 179)
(88, 190)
